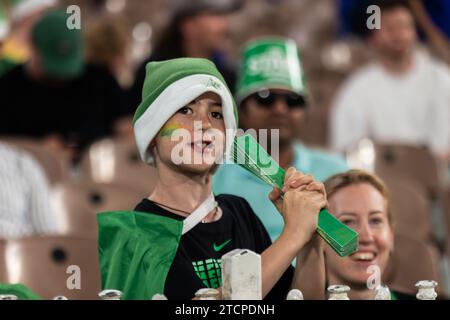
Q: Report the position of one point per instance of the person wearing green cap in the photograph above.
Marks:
(173, 241)
(22, 14)
(56, 96)
(272, 94)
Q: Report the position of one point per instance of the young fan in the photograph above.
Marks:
(173, 241)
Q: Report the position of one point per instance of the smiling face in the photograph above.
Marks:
(363, 208)
(193, 139)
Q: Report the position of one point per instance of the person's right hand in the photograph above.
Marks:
(303, 199)
(301, 211)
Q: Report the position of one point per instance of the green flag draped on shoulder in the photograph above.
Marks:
(136, 251)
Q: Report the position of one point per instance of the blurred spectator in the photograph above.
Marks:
(272, 96)
(107, 43)
(56, 94)
(25, 208)
(432, 18)
(5, 63)
(402, 97)
(4, 23)
(198, 29)
(22, 14)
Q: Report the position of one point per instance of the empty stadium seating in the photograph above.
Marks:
(446, 206)
(388, 160)
(117, 162)
(415, 162)
(77, 204)
(411, 210)
(411, 261)
(2, 261)
(54, 167)
(50, 266)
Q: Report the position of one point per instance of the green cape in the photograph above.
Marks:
(136, 251)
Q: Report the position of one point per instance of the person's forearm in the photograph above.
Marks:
(433, 33)
(276, 259)
(310, 273)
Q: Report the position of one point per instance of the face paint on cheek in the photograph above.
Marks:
(169, 129)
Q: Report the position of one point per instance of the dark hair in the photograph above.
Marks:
(170, 43)
(386, 5)
(358, 15)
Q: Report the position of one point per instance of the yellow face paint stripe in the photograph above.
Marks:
(169, 129)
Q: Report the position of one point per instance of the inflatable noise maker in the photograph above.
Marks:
(247, 153)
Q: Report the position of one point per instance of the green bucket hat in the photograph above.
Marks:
(169, 85)
(271, 63)
(60, 48)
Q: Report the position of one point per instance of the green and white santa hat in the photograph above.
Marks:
(172, 84)
(270, 63)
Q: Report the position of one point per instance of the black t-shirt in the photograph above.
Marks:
(80, 110)
(403, 296)
(197, 261)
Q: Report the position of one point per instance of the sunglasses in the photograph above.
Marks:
(267, 98)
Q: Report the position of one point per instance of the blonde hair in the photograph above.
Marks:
(352, 177)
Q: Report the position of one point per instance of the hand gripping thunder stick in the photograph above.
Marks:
(247, 153)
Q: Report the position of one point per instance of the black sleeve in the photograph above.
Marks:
(134, 94)
(9, 112)
(100, 116)
(263, 241)
(114, 94)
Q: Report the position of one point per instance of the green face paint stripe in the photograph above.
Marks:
(221, 246)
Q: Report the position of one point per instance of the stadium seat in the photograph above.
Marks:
(2, 261)
(77, 204)
(117, 162)
(50, 266)
(446, 207)
(411, 261)
(411, 210)
(54, 167)
(415, 162)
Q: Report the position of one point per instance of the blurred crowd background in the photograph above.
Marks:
(67, 148)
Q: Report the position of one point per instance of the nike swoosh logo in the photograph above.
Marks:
(220, 247)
